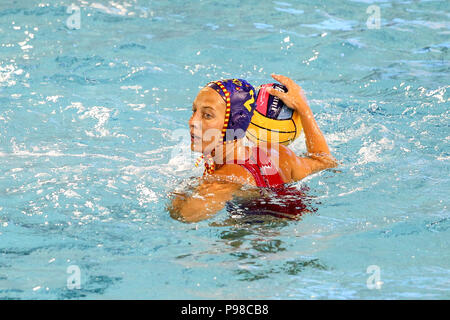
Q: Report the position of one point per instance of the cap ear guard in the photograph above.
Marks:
(239, 96)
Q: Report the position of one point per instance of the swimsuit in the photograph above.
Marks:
(279, 200)
(262, 169)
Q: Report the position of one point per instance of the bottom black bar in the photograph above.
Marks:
(222, 309)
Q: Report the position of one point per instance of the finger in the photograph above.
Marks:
(282, 95)
(285, 97)
(288, 82)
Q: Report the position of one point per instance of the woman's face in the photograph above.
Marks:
(206, 122)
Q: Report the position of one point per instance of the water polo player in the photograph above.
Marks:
(221, 114)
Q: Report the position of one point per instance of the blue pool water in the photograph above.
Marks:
(93, 137)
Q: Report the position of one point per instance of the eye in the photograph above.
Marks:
(207, 116)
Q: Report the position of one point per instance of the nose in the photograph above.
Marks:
(194, 122)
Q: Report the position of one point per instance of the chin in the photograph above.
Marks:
(195, 147)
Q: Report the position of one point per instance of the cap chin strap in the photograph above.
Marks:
(209, 163)
(208, 159)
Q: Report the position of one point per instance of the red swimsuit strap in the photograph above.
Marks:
(256, 173)
(262, 169)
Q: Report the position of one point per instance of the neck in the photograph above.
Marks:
(229, 153)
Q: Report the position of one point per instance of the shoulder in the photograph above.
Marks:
(283, 157)
(235, 173)
(286, 153)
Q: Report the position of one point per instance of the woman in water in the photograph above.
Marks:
(221, 114)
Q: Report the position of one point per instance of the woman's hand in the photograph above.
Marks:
(294, 98)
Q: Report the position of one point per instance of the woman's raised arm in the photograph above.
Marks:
(319, 156)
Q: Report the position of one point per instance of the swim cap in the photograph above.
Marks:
(239, 96)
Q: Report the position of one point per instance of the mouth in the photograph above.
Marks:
(194, 137)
